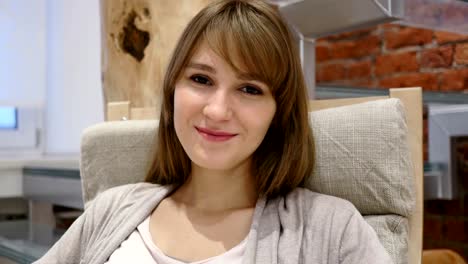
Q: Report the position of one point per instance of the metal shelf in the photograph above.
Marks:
(318, 18)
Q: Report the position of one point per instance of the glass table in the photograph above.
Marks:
(23, 242)
(44, 183)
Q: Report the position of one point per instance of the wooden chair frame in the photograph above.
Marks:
(412, 102)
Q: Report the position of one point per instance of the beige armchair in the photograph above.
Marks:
(369, 151)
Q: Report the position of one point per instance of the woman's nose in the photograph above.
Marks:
(218, 107)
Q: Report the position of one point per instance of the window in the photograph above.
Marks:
(8, 117)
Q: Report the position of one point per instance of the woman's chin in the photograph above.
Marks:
(216, 164)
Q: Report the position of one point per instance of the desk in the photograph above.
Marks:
(11, 171)
(59, 186)
(11, 178)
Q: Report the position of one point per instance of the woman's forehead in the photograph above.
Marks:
(204, 54)
(207, 57)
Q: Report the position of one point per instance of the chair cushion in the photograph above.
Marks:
(362, 155)
(115, 153)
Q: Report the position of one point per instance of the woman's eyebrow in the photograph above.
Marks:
(241, 76)
(252, 77)
(201, 66)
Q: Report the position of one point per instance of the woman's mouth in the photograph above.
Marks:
(214, 135)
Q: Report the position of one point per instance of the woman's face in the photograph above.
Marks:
(220, 118)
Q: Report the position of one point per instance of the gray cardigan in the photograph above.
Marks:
(302, 227)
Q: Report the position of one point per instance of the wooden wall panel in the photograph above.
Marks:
(138, 37)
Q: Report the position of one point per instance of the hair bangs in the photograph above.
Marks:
(242, 40)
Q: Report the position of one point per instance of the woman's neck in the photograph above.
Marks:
(216, 190)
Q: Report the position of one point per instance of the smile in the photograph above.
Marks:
(214, 135)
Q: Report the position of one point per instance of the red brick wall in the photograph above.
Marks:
(394, 56)
(390, 56)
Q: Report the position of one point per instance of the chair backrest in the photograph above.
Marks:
(369, 151)
(411, 99)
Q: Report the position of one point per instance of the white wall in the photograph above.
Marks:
(22, 52)
(50, 57)
(74, 94)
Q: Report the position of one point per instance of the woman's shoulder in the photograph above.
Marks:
(314, 199)
(331, 224)
(308, 203)
(133, 188)
(123, 195)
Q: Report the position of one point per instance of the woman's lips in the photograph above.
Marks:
(215, 135)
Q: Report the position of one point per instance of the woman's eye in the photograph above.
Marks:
(251, 90)
(201, 80)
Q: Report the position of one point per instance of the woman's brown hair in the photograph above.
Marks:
(252, 37)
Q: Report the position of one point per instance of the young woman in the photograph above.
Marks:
(233, 147)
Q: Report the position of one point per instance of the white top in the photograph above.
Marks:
(139, 248)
